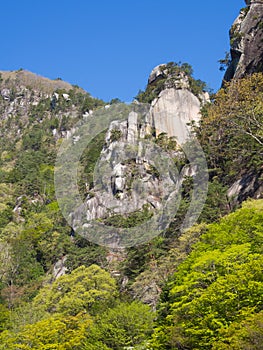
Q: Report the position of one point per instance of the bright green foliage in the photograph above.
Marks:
(123, 326)
(220, 282)
(213, 297)
(247, 334)
(231, 129)
(56, 332)
(4, 317)
(59, 316)
(88, 289)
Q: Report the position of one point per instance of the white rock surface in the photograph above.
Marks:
(66, 97)
(132, 128)
(172, 111)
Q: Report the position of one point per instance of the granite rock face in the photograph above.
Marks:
(171, 112)
(176, 107)
(120, 162)
(250, 185)
(131, 181)
(246, 38)
(23, 93)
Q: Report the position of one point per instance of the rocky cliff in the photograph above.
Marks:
(29, 101)
(246, 38)
(38, 113)
(165, 123)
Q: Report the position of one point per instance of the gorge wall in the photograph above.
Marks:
(246, 38)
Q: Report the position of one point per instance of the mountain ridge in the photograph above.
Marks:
(195, 289)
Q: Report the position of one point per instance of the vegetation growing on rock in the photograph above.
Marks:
(206, 284)
(172, 74)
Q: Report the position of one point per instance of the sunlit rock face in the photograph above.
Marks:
(176, 107)
(122, 163)
(246, 37)
(125, 157)
(127, 184)
(172, 111)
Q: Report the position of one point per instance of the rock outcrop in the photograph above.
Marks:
(122, 160)
(127, 179)
(173, 111)
(27, 99)
(59, 268)
(173, 78)
(248, 186)
(156, 73)
(246, 38)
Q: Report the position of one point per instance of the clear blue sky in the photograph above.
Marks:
(109, 47)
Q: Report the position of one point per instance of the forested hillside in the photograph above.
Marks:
(201, 288)
(210, 276)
